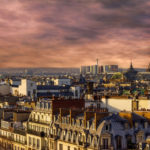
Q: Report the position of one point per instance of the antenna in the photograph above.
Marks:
(97, 61)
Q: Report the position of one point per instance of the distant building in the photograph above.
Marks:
(131, 74)
(93, 69)
(53, 90)
(62, 81)
(26, 88)
(100, 69)
(4, 89)
(110, 68)
(83, 69)
(148, 68)
(87, 69)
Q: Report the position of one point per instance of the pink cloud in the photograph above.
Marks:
(69, 34)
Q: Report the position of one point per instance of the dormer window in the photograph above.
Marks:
(107, 127)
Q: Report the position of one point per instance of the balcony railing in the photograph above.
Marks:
(10, 138)
(39, 121)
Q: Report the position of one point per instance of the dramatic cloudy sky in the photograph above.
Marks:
(70, 33)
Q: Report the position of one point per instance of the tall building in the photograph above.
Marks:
(87, 69)
(100, 69)
(110, 68)
(95, 69)
(83, 69)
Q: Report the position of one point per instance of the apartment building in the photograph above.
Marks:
(60, 124)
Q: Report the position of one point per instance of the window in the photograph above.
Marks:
(98, 106)
(69, 137)
(29, 140)
(60, 147)
(126, 125)
(38, 143)
(118, 142)
(52, 145)
(145, 124)
(76, 93)
(33, 141)
(106, 128)
(136, 125)
(74, 137)
(29, 93)
(129, 141)
(105, 143)
(139, 138)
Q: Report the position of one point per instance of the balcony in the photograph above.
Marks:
(39, 121)
(41, 134)
(10, 138)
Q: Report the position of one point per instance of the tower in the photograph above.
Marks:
(97, 61)
(148, 68)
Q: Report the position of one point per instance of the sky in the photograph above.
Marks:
(71, 33)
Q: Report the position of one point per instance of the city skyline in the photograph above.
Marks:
(69, 33)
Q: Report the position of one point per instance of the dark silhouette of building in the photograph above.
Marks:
(131, 74)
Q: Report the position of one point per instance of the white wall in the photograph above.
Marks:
(116, 105)
(26, 87)
(61, 82)
(144, 104)
(76, 92)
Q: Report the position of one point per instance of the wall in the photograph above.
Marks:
(26, 87)
(76, 92)
(121, 104)
(4, 89)
(61, 82)
(116, 105)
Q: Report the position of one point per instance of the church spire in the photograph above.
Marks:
(131, 65)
